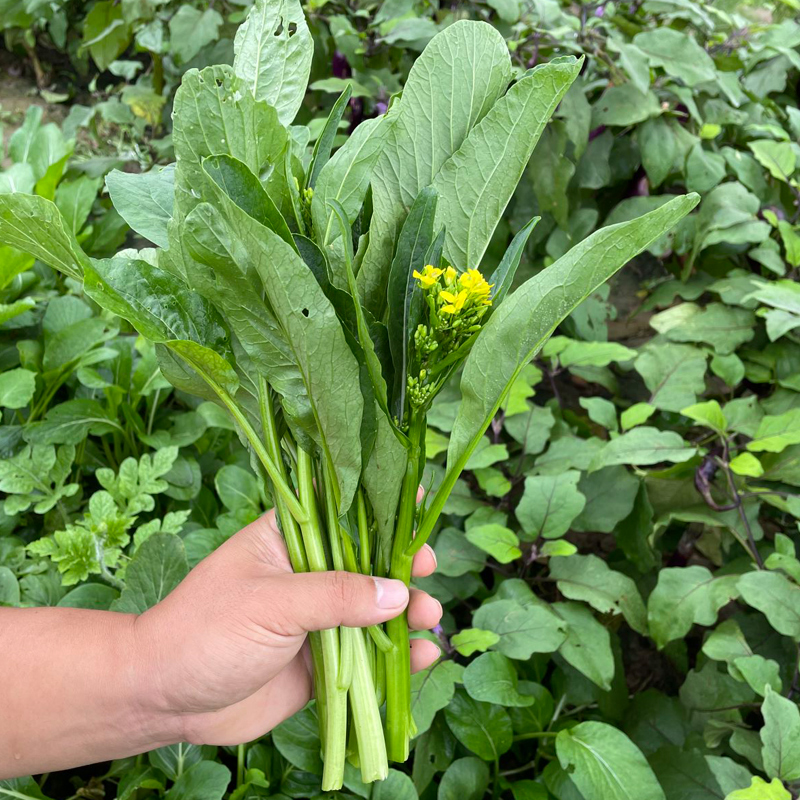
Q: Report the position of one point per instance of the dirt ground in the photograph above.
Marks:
(17, 94)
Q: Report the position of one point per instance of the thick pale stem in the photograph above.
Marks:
(335, 722)
(366, 714)
(399, 724)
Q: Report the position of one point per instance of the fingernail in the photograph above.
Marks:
(441, 609)
(433, 555)
(390, 593)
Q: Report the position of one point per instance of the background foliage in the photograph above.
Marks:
(618, 567)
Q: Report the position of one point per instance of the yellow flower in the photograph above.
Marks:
(455, 302)
(450, 275)
(477, 286)
(428, 276)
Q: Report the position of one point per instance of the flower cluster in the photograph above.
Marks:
(454, 293)
(455, 304)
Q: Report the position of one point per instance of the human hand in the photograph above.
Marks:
(226, 655)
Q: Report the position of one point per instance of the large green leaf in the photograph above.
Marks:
(35, 225)
(144, 201)
(588, 644)
(684, 596)
(777, 597)
(238, 182)
(213, 115)
(518, 329)
(781, 737)
(273, 51)
(467, 63)
(589, 578)
(477, 182)
(482, 728)
(238, 294)
(605, 764)
(157, 568)
(317, 341)
(345, 178)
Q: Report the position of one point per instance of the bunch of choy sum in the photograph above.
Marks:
(324, 299)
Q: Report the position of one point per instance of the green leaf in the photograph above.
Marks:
(238, 489)
(455, 555)
(465, 779)
(9, 588)
(71, 422)
(190, 30)
(90, 595)
(297, 740)
(748, 465)
(559, 547)
(492, 678)
(601, 411)
(477, 181)
(523, 629)
(719, 325)
(593, 354)
(431, 691)
(674, 374)
(708, 414)
(781, 737)
(214, 114)
(324, 144)
(174, 759)
(637, 414)
(207, 780)
(273, 52)
(589, 578)
(684, 596)
(158, 566)
(778, 158)
(605, 765)
(678, 53)
(472, 640)
(759, 789)
(17, 387)
(160, 305)
(496, 540)
(405, 301)
(144, 201)
(105, 33)
(309, 323)
(346, 178)
(588, 644)
(482, 728)
(35, 226)
(74, 199)
(642, 446)
(517, 330)
(658, 147)
(549, 504)
(624, 105)
(759, 673)
(237, 182)
(775, 596)
(503, 277)
(396, 786)
(21, 789)
(776, 432)
(426, 134)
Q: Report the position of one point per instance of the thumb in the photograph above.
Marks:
(313, 601)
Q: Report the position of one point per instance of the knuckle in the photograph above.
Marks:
(340, 589)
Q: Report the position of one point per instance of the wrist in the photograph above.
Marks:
(153, 715)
